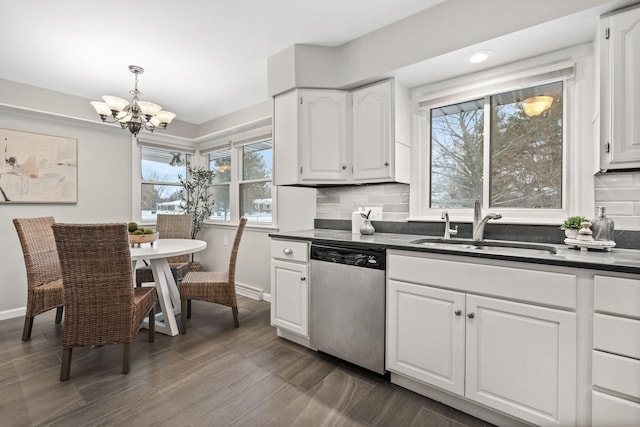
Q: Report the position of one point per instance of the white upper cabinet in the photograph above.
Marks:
(380, 133)
(324, 136)
(311, 135)
(620, 90)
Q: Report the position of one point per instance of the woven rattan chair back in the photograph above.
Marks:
(101, 304)
(44, 277)
(216, 287)
(175, 227)
(170, 227)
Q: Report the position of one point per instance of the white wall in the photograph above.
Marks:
(104, 193)
(296, 211)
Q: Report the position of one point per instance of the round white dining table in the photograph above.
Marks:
(166, 287)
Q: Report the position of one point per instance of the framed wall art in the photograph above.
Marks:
(38, 168)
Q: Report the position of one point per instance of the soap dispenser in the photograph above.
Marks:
(357, 220)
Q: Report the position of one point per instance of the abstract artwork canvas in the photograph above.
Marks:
(38, 168)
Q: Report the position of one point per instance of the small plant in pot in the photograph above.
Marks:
(571, 226)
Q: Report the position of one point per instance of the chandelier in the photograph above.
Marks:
(134, 115)
(536, 105)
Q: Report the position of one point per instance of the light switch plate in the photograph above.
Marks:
(376, 213)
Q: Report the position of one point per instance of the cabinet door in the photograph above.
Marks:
(373, 132)
(290, 297)
(621, 91)
(323, 136)
(425, 336)
(521, 360)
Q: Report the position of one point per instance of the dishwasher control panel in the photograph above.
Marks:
(357, 257)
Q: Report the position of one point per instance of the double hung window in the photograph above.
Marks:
(160, 188)
(242, 185)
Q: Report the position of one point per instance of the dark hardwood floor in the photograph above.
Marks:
(216, 375)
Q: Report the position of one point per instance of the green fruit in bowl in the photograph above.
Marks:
(148, 231)
(132, 227)
(138, 232)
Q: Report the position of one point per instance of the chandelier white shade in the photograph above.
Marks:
(134, 115)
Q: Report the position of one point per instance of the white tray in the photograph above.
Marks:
(590, 244)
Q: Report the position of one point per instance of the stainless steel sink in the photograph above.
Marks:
(506, 248)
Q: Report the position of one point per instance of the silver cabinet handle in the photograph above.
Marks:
(471, 315)
(287, 251)
(457, 312)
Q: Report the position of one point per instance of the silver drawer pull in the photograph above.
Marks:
(287, 251)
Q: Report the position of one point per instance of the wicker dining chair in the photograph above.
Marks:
(170, 227)
(216, 287)
(101, 304)
(44, 278)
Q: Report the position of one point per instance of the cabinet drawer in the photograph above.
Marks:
(289, 250)
(610, 411)
(616, 373)
(617, 295)
(616, 335)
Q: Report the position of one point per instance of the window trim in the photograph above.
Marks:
(527, 73)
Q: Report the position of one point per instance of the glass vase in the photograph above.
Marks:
(602, 226)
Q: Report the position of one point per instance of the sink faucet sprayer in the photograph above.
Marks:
(479, 222)
(448, 232)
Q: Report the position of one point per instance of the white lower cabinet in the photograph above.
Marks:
(514, 357)
(616, 352)
(290, 287)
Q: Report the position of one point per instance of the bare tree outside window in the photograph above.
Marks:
(525, 163)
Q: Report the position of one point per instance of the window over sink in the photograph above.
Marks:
(518, 138)
(524, 149)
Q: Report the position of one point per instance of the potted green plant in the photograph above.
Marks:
(571, 226)
(195, 198)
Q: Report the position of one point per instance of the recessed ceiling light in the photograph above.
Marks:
(479, 56)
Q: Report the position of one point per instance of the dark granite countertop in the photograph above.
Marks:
(618, 260)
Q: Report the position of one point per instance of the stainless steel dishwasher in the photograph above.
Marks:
(347, 304)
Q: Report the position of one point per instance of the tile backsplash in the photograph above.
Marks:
(619, 193)
(340, 202)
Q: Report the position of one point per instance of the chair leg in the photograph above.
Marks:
(152, 324)
(236, 323)
(65, 368)
(126, 358)
(188, 309)
(26, 330)
(183, 318)
(59, 312)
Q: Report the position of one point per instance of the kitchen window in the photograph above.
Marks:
(159, 181)
(243, 182)
(505, 148)
(507, 145)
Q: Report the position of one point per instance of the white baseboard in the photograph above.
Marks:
(13, 313)
(241, 288)
(249, 291)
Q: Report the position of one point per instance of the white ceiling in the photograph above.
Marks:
(207, 58)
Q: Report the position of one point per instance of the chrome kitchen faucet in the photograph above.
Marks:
(479, 222)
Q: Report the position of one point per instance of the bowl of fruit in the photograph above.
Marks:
(139, 235)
